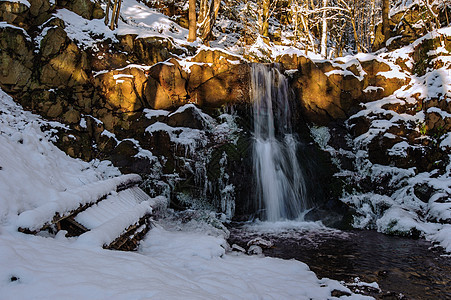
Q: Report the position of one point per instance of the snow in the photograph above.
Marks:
(33, 171)
(446, 141)
(81, 30)
(400, 211)
(370, 89)
(150, 113)
(169, 265)
(174, 263)
(180, 135)
(105, 233)
(113, 205)
(69, 200)
(146, 22)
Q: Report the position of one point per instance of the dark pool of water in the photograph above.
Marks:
(403, 268)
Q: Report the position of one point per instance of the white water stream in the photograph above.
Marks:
(281, 192)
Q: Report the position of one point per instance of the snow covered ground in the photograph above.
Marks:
(180, 262)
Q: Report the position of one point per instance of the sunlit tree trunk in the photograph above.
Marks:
(116, 19)
(385, 19)
(265, 18)
(113, 15)
(207, 24)
(192, 25)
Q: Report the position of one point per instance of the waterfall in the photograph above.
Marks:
(280, 187)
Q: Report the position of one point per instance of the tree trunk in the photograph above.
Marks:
(113, 16)
(210, 19)
(385, 19)
(265, 18)
(356, 37)
(373, 22)
(116, 20)
(107, 13)
(324, 31)
(203, 10)
(192, 25)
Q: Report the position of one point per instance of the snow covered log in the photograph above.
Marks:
(72, 202)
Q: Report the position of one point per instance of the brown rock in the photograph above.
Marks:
(149, 50)
(156, 96)
(84, 8)
(66, 69)
(71, 117)
(166, 85)
(227, 87)
(16, 59)
(53, 42)
(189, 117)
(55, 110)
(434, 121)
(199, 73)
(122, 89)
(40, 11)
(14, 13)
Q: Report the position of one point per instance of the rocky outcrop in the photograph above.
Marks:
(63, 63)
(330, 91)
(150, 50)
(166, 85)
(123, 89)
(408, 25)
(16, 58)
(217, 78)
(85, 8)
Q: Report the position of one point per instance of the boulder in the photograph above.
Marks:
(85, 8)
(166, 85)
(199, 73)
(122, 89)
(106, 56)
(218, 60)
(53, 42)
(67, 69)
(189, 117)
(320, 97)
(16, 58)
(40, 11)
(229, 87)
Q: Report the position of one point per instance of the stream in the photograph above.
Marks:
(403, 268)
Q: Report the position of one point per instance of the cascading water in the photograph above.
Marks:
(281, 192)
